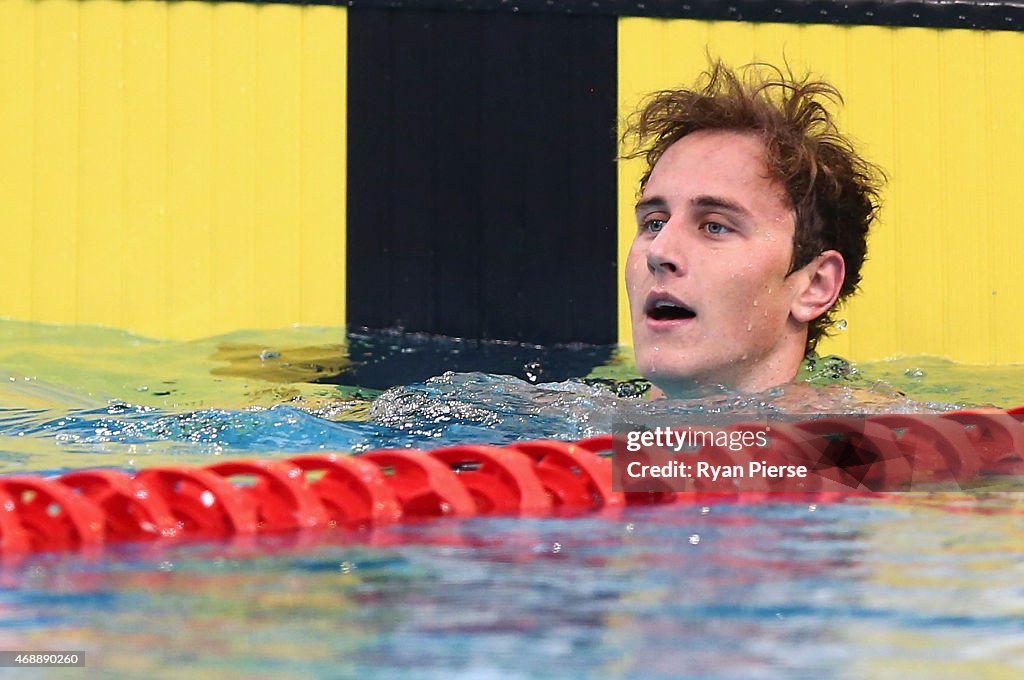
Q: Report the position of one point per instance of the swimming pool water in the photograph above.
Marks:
(916, 586)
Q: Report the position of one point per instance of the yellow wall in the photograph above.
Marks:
(941, 111)
(176, 169)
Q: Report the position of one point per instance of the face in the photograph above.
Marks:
(710, 299)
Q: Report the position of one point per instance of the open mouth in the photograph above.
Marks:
(666, 310)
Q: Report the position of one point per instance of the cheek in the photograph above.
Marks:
(758, 296)
(771, 305)
(636, 269)
(634, 257)
(745, 288)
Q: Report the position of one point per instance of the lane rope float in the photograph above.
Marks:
(87, 509)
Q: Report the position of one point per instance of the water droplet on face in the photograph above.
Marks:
(750, 326)
(755, 303)
(841, 324)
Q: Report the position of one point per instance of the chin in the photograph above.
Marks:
(683, 380)
(666, 376)
(649, 367)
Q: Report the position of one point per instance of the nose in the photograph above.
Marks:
(665, 252)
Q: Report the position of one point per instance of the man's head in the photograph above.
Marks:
(752, 225)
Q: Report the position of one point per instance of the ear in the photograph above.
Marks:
(821, 280)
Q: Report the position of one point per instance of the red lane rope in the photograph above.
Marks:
(86, 509)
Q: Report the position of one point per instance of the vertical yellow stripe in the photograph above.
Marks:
(684, 51)
(189, 175)
(917, 182)
(144, 178)
(233, 291)
(731, 41)
(869, 111)
(826, 57)
(276, 232)
(98, 288)
(55, 190)
(778, 44)
(55, 187)
(961, 136)
(17, 94)
(1004, 204)
(323, 166)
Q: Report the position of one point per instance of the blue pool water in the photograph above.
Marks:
(919, 586)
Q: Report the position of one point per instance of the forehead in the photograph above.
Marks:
(722, 163)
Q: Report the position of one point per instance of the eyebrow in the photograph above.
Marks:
(719, 203)
(704, 202)
(653, 204)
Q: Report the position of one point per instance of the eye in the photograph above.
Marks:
(715, 228)
(654, 225)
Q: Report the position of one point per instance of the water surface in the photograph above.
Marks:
(912, 586)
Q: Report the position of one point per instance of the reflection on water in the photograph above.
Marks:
(766, 591)
(914, 586)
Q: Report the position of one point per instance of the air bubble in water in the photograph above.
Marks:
(533, 371)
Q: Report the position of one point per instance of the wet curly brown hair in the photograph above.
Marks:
(834, 192)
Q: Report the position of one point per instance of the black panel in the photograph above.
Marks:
(457, 207)
(413, 147)
(369, 232)
(481, 198)
(981, 14)
(591, 219)
(545, 276)
(502, 239)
